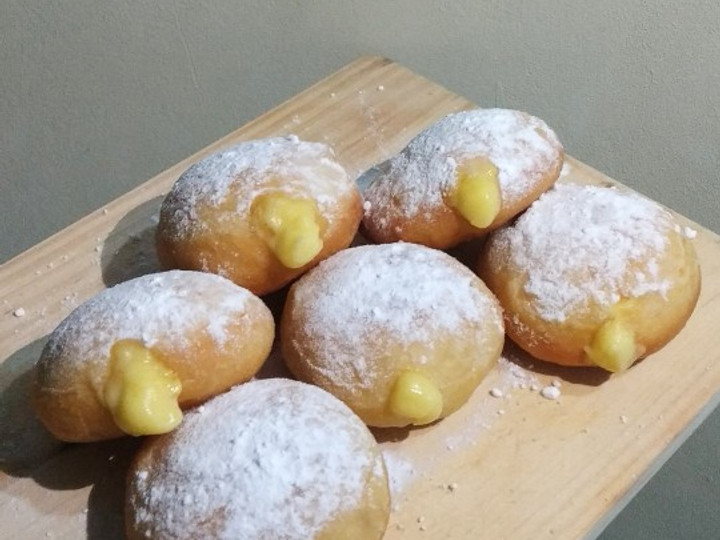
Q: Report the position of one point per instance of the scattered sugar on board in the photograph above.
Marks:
(616, 240)
(279, 459)
(400, 472)
(406, 291)
(250, 169)
(414, 459)
(375, 127)
(418, 177)
(151, 308)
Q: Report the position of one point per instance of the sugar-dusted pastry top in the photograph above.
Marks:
(409, 293)
(272, 458)
(249, 169)
(156, 307)
(522, 148)
(582, 245)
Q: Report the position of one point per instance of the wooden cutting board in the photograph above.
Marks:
(514, 466)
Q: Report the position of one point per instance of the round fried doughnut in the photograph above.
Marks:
(592, 275)
(127, 360)
(259, 213)
(463, 176)
(400, 332)
(272, 458)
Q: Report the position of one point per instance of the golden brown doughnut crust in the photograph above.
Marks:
(205, 220)
(407, 199)
(272, 458)
(370, 313)
(582, 255)
(210, 332)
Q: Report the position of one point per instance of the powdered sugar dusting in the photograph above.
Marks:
(413, 459)
(405, 291)
(297, 168)
(521, 146)
(583, 245)
(153, 307)
(269, 459)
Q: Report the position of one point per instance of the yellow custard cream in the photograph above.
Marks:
(291, 228)
(415, 398)
(140, 392)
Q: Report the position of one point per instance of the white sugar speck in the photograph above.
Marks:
(550, 392)
(19, 312)
(496, 393)
(690, 232)
(623, 419)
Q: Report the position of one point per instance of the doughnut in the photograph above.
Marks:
(272, 458)
(402, 333)
(259, 213)
(467, 174)
(128, 360)
(592, 276)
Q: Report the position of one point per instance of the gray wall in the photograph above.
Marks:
(98, 96)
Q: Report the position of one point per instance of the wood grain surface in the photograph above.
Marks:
(515, 466)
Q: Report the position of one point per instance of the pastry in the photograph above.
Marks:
(272, 458)
(592, 276)
(401, 333)
(129, 359)
(463, 176)
(259, 213)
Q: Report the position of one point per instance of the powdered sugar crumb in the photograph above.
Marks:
(550, 392)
